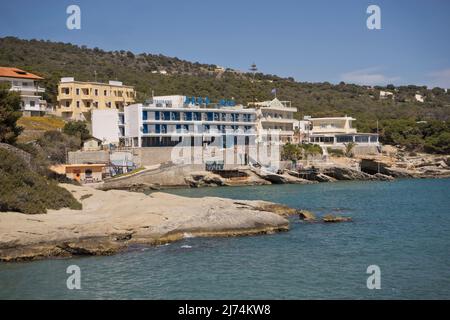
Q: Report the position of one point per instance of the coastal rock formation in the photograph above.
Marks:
(204, 178)
(279, 209)
(112, 220)
(383, 177)
(306, 215)
(403, 166)
(345, 173)
(320, 177)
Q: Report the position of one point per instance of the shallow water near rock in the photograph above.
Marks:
(401, 226)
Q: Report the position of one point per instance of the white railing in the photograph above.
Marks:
(28, 88)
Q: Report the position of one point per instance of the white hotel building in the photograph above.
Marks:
(26, 84)
(164, 121)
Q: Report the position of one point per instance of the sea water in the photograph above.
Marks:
(403, 227)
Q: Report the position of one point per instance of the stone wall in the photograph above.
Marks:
(79, 157)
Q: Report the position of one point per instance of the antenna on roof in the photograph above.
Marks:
(95, 75)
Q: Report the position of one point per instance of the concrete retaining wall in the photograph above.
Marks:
(79, 157)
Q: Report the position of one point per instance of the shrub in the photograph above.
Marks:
(335, 152)
(77, 129)
(26, 191)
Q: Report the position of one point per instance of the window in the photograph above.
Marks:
(344, 139)
(32, 103)
(78, 104)
(96, 92)
(88, 104)
(88, 173)
(67, 104)
(77, 90)
(105, 93)
(362, 139)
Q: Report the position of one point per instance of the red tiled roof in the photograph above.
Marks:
(17, 73)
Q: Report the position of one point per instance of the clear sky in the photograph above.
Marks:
(309, 40)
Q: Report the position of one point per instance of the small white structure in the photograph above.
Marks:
(27, 85)
(92, 144)
(419, 98)
(386, 94)
(106, 125)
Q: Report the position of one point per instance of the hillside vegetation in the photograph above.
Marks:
(35, 127)
(55, 60)
(26, 191)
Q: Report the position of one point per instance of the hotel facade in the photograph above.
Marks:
(76, 98)
(275, 118)
(26, 84)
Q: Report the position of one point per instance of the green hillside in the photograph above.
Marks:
(55, 60)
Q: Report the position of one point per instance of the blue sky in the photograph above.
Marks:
(309, 40)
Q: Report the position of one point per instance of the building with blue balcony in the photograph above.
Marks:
(167, 121)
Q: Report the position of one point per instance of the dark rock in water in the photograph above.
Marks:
(306, 215)
(320, 177)
(333, 219)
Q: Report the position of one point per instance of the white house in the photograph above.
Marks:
(337, 131)
(275, 117)
(27, 85)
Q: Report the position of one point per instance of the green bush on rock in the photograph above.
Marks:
(26, 191)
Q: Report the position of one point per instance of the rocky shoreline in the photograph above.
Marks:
(111, 221)
(369, 168)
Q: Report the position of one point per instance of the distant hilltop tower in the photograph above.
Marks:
(253, 69)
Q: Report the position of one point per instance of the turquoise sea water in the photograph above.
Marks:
(402, 226)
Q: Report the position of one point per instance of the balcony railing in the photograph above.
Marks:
(28, 88)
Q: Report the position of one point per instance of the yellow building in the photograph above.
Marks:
(77, 98)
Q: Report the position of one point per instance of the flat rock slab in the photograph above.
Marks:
(111, 220)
